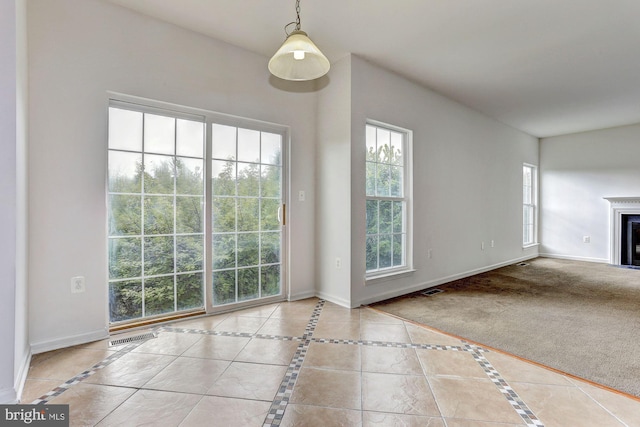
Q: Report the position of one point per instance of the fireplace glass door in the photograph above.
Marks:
(630, 239)
(634, 252)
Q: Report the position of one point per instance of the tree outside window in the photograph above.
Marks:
(155, 214)
(386, 199)
(156, 202)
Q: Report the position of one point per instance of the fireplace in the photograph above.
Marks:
(625, 230)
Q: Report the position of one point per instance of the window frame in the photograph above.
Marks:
(209, 118)
(373, 276)
(532, 205)
(251, 125)
(145, 195)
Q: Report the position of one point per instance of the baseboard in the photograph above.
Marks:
(574, 258)
(301, 295)
(44, 346)
(435, 282)
(333, 299)
(22, 375)
(11, 396)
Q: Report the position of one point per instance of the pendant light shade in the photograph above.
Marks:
(298, 58)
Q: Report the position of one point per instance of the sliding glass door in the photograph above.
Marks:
(195, 212)
(247, 214)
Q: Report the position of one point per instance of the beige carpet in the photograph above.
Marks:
(578, 317)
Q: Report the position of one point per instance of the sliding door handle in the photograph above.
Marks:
(282, 214)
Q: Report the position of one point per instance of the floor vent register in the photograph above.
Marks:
(135, 338)
(431, 292)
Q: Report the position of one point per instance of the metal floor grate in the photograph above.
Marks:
(430, 292)
(522, 264)
(128, 340)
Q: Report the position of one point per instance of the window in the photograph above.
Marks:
(155, 201)
(174, 247)
(387, 199)
(529, 199)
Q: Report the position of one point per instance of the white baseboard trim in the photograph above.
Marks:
(435, 282)
(88, 337)
(301, 295)
(333, 299)
(574, 258)
(22, 375)
(11, 396)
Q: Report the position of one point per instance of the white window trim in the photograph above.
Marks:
(534, 199)
(389, 274)
(147, 105)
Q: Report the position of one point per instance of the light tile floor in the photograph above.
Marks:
(312, 363)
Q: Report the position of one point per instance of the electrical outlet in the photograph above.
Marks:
(77, 285)
(586, 239)
(493, 244)
(302, 196)
(338, 263)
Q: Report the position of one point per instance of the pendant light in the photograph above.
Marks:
(298, 58)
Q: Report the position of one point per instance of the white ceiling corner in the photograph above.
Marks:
(547, 67)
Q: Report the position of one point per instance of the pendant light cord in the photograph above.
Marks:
(298, 15)
(296, 22)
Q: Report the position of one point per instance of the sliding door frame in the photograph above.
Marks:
(229, 120)
(211, 118)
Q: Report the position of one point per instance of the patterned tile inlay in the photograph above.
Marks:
(86, 374)
(512, 397)
(228, 334)
(279, 404)
(285, 390)
(466, 347)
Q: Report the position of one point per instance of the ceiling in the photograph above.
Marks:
(547, 67)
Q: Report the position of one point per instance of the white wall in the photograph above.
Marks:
(79, 50)
(14, 352)
(467, 180)
(333, 172)
(8, 183)
(22, 346)
(577, 171)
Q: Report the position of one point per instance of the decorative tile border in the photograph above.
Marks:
(285, 390)
(512, 397)
(86, 374)
(392, 344)
(229, 334)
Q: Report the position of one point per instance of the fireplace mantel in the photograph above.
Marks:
(620, 206)
(623, 200)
